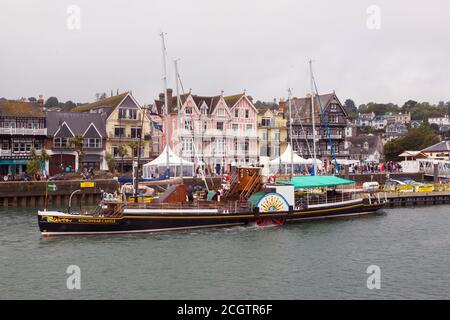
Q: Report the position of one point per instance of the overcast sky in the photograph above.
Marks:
(262, 46)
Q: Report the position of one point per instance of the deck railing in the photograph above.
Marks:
(223, 207)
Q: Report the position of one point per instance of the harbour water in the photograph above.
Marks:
(314, 260)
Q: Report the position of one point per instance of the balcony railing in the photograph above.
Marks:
(5, 153)
(122, 137)
(9, 153)
(24, 131)
(306, 136)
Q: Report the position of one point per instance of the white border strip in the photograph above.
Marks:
(333, 204)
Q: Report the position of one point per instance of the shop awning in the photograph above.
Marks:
(14, 161)
(308, 182)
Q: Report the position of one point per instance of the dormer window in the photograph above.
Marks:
(366, 145)
(221, 112)
(188, 110)
(204, 111)
(236, 113)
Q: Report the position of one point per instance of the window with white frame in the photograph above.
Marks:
(188, 124)
(59, 142)
(136, 132)
(187, 144)
(276, 135)
(115, 151)
(220, 145)
(91, 143)
(221, 112)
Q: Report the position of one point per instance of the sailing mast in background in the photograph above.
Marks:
(166, 104)
(179, 116)
(313, 120)
(290, 131)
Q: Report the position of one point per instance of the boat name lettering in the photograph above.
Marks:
(96, 221)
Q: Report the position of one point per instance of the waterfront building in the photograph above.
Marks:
(393, 131)
(350, 129)
(334, 118)
(365, 147)
(416, 124)
(272, 131)
(125, 121)
(403, 118)
(440, 150)
(61, 128)
(379, 122)
(22, 128)
(365, 119)
(440, 121)
(215, 131)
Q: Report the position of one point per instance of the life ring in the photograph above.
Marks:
(225, 178)
(272, 179)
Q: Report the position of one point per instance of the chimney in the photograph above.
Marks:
(169, 99)
(40, 101)
(161, 97)
(282, 106)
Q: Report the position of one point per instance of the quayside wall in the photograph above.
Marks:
(33, 193)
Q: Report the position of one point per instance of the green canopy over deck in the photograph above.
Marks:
(308, 182)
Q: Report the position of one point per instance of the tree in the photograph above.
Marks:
(32, 99)
(51, 102)
(134, 145)
(77, 142)
(33, 167)
(408, 105)
(350, 108)
(379, 108)
(416, 139)
(111, 162)
(35, 164)
(435, 128)
(68, 105)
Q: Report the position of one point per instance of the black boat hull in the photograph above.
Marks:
(54, 223)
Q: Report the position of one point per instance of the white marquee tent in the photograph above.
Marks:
(158, 166)
(283, 162)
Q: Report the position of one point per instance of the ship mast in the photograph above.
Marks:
(313, 119)
(179, 116)
(290, 131)
(166, 104)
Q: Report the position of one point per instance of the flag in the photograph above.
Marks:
(52, 187)
(157, 126)
(312, 170)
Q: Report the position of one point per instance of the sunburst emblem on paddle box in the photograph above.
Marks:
(273, 202)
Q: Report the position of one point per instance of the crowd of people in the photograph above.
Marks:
(387, 167)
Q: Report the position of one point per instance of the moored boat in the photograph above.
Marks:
(248, 201)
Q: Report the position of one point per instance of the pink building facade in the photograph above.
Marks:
(217, 132)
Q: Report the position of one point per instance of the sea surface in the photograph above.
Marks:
(312, 260)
